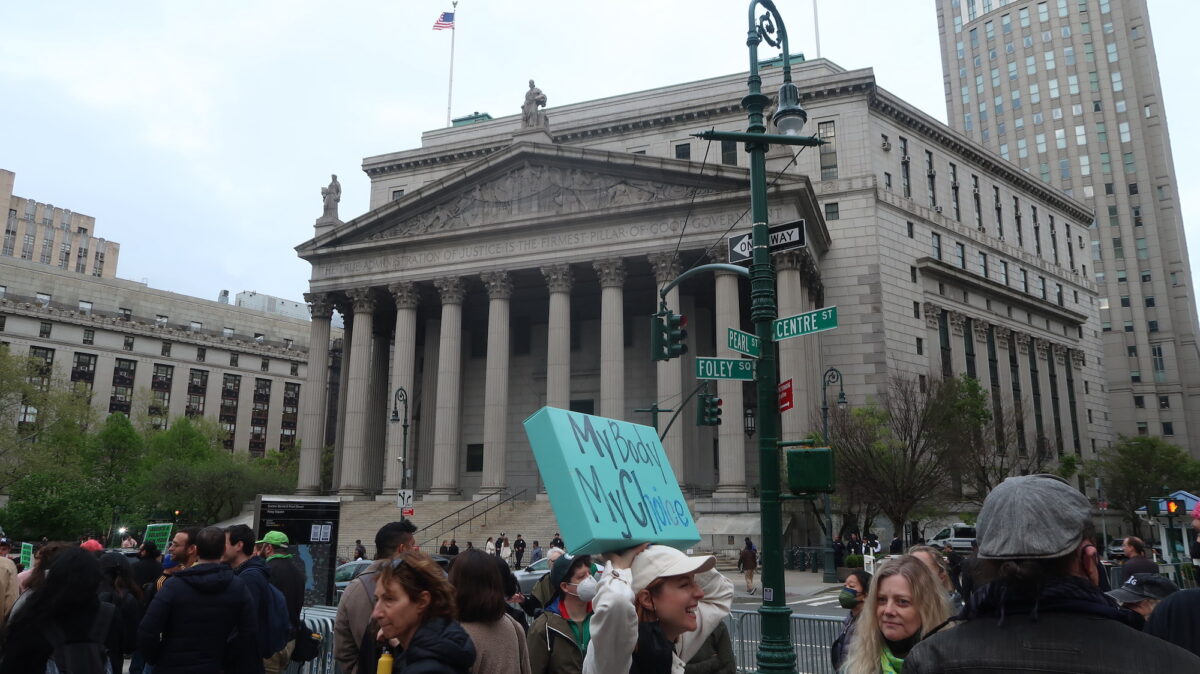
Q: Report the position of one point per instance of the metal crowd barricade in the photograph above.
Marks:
(319, 619)
(812, 636)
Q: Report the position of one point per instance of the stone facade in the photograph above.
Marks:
(54, 236)
(533, 260)
(157, 355)
(1070, 93)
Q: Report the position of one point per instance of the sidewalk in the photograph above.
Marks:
(800, 584)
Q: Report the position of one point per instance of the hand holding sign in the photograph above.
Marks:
(609, 482)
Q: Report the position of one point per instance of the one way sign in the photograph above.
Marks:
(782, 237)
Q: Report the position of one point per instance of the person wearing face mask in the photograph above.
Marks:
(905, 602)
(851, 597)
(559, 637)
(654, 609)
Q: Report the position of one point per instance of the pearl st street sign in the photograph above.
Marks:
(807, 323)
(783, 237)
(724, 368)
(743, 342)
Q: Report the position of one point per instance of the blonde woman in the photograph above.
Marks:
(936, 562)
(905, 602)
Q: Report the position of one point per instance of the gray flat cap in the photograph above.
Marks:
(1032, 517)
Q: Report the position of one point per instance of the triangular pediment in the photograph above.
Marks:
(530, 182)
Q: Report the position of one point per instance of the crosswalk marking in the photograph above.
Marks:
(815, 601)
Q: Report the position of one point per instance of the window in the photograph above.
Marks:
(1159, 363)
(265, 365)
(1131, 351)
(126, 314)
(1151, 325)
(201, 354)
(683, 151)
(829, 165)
(983, 264)
(931, 182)
(920, 346)
(160, 321)
(1168, 428)
(195, 326)
(44, 329)
(960, 255)
(1149, 300)
(916, 309)
(396, 194)
(905, 182)
(166, 349)
(1143, 428)
(1143, 252)
(295, 369)
(43, 299)
(937, 246)
(1135, 376)
(89, 336)
(1024, 281)
(1164, 402)
(227, 332)
(912, 273)
(233, 360)
(1139, 402)
(831, 211)
(887, 181)
(910, 229)
(474, 458)
(1004, 272)
(128, 343)
(729, 152)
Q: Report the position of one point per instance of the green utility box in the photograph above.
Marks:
(810, 470)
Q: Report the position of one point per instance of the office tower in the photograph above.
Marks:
(1069, 91)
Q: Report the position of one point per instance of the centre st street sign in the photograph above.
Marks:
(743, 342)
(724, 368)
(807, 323)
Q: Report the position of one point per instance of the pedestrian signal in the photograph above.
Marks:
(1175, 507)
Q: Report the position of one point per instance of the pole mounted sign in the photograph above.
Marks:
(404, 501)
(724, 368)
(743, 342)
(787, 398)
(782, 237)
(818, 320)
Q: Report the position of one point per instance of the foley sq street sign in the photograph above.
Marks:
(724, 368)
(783, 237)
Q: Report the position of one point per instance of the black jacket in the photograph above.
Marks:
(289, 577)
(25, 648)
(202, 621)
(146, 570)
(440, 646)
(1066, 625)
(254, 573)
(1177, 620)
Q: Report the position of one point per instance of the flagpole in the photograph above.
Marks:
(453, 31)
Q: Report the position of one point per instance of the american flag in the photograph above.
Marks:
(445, 21)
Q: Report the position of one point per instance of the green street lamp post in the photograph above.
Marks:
(401, 398)
(776, 652)
(832, 376)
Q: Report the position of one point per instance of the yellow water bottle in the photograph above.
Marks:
(385, 663)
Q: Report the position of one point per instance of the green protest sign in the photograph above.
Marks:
(158, 534)
(26, 555)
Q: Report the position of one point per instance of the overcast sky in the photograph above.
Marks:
(199, 134)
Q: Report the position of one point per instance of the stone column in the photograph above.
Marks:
(983, 369)
(1077, 358)
(495, 397)
(315, 393)
(345, 308)
(425, 414)
(1061, 363)
(354, 452)
(933, 338)
(958, 349)
(670, 372)
(377, 411)
(558, 336)
(406, 295)
(1043, 355)
(1026, 379)
(731, 459)
(1004, 369)
(449, 412)
(612, 336)
(790, 283)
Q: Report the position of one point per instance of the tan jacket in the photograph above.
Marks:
(353, 619)
(9, 587)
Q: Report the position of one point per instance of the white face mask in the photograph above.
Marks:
(586, 589)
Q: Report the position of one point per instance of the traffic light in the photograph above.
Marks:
(1175, 507)
(708, 410)
(675, 334)
(1152, 507)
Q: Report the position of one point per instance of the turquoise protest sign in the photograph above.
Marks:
(609, 482)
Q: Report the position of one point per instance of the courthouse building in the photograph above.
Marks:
(504, 266)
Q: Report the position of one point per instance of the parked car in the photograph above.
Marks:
(1116, 548)
(346, 573)
(530, 575)
(960, 536)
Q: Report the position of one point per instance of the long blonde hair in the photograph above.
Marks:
(927, 595)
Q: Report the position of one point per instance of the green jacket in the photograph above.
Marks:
(715, 655)
(552, 646)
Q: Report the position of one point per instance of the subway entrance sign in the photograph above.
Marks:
(807, 323)
(724, 368)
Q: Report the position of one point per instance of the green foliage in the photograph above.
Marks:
(854, 561)
(1138, 468)
(54, 505)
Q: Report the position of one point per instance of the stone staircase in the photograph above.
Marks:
(534, 520)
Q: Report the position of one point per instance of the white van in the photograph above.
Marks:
(958, 535)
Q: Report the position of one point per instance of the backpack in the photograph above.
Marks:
(81, 657)
(275, 628)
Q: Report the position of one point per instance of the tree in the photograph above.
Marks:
(895, 455)
(1139, 468)
(55, 505)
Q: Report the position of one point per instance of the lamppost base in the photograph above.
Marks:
(776, 653)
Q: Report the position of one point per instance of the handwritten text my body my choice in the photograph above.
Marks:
(634, 458)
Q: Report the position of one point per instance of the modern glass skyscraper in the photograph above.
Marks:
(1069, 91)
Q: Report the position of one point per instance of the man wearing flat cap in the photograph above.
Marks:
(1044, 611)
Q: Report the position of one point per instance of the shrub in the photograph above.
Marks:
(854, 561)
